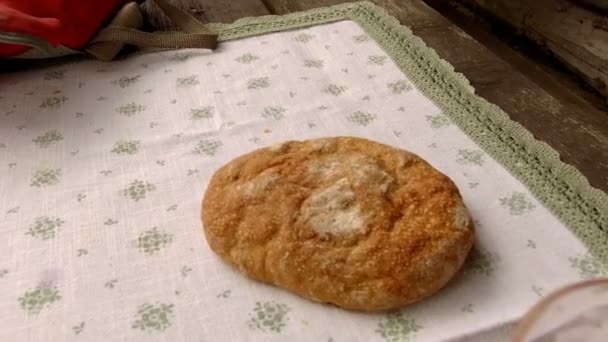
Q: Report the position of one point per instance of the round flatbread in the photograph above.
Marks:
(343, 220)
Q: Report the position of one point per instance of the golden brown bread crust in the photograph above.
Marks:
(342, 220)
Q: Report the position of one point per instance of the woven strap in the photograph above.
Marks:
(173, 40)
(124, 29)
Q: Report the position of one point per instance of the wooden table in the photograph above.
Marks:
(548, 109)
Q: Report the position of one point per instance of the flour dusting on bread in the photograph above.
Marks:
(369, 173)
(258, 185)
(360, 169)
(462, 219)
(278, 147)
(334, 210)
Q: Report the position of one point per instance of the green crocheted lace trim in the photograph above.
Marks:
(561, 187)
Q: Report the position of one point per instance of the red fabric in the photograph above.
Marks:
(67, 22)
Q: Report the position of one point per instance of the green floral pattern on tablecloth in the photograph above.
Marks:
(77, 329)
(45, 227)
(247, 58)
(48, 138)
(361, 38)
(399, 87)
(303, 37)
(126, 81)
(181, 56)
(208, 147)
(224, 294)
(482, 261)
(314, 63)
(361, 118)
(45, 177)
(276, 113)
(335, 89)
(110, 222)
(152, 241)
(130, 109)
(54, 75)
(110, 284)
(470, 157)
(470, 308)
(438, 121)
(396, 327)
(588, 267)
(35, 300)
(377, 60)
(185, 270)
(258, 83)
(126, 147)
(202, 113)
(138, 190)
(518, 203)
(269, 317)
(53, 102)
(153, 317)
(187, 82)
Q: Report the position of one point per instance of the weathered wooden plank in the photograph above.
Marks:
(574, 34)
(578, 133)
(416, 13)
(206, 11)
(523, 55)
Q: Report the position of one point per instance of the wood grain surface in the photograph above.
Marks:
(573, 127)
(576, 35)
(206, 11)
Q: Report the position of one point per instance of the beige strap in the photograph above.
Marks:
(123, 29)
(173, 40)
(128, 16)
